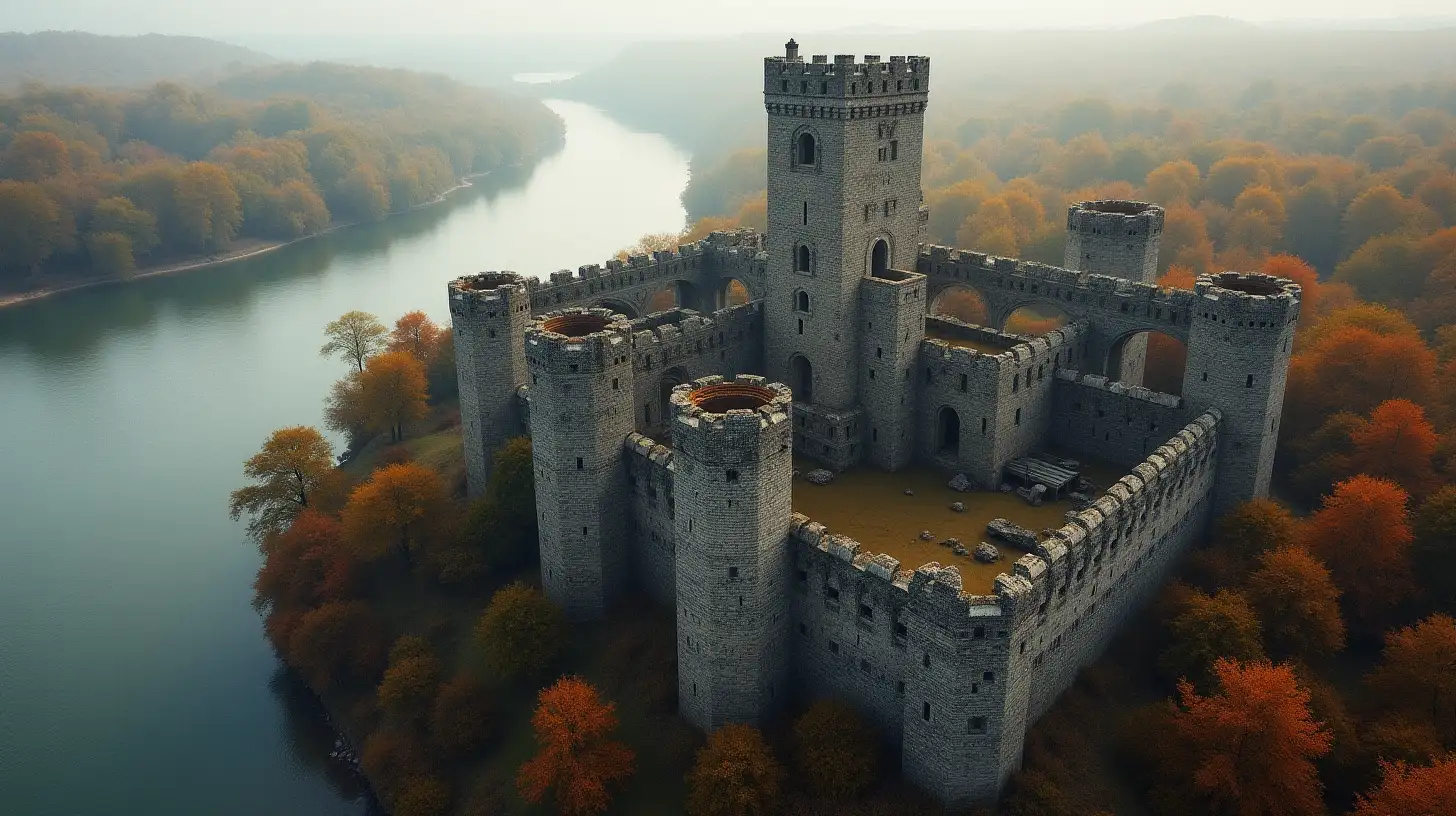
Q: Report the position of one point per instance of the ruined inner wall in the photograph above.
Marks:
(699, 271)
(1002, 403)
(678, 346)
(1112, 421)
(1114, 309)
(893, 307)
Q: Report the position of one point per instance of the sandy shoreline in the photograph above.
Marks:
(252, 250)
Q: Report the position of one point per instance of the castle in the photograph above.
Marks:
(772, 607)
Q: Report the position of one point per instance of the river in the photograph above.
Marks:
(134, 677)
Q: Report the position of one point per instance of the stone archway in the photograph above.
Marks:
(948, 431)
(879, 257)
(731, 292)
(961, 302)
(1033, 317)
(670, 379)
(620, 306)
(801, 378)
(1148, 358)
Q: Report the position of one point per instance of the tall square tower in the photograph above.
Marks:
(844, 153)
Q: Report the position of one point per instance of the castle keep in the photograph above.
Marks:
(664, 443)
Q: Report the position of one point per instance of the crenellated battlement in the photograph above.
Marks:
(489, 294)
(845, 77)
(730, 410)
(1019, 350)
(1247, 299)
(571, 340)
(1115, 219)
(1133, 392)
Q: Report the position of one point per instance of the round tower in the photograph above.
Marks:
(1119, 239)
(489, 314)
(580, 401)
(733, 471)
(1239, 345)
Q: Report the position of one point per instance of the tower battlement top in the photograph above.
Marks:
(747, 401)
(579, 334)
(488, 292)
(1252, 295)
(1115, 217)
(845, 77)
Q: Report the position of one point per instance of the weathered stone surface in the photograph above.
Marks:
(961, 483)
(987, 553)
(1011, 533)
(959, 507)
(926, 535)
(820, 477)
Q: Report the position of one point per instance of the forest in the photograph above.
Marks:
(100, 183)
(1302, 663)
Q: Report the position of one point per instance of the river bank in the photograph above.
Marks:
(248, 248)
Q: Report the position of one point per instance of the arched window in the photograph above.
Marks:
(801, 301)
(880, 258)
(801, 259)
(806, 153)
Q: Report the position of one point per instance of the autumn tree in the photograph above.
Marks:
(110, 254)
(305, 565)
(1255, 527)
(1297, 604)
(1362, 534)
(1173, 183)
(501, 524)
(1407, 790)
(1207, 628)
(1185, 240)
(834, 750)
(578, 761)
(1381, 210)
(356, 336)
(410, 680)
(293, 471)
(1433, 551)
(1250, 745)
(344, 410)
(1397, 443)
(392, 389)
(417, 335)
(1296, 269)
(521, 631)
(119, 215)
(338, 644)
(401, 509)
(464, 717)
(735, 774)
(209, 211)
(392, 757)
(1355, 369)
(421, 796)
(31, 229)
(1417, 674)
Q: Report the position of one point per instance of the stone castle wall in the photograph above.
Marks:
(1108, 420)
(678, 346)
(1002, 401)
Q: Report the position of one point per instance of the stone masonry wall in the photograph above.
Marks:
(1108, 420)
(678, 346)
(652, 541)
(894, 325)
(1002, 402)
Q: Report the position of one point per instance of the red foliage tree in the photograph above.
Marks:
(1363, 535)
(337, 644)
(306, 565)
(577, 758)
(1408, 791)
(1397, 443)
(1252, 744)
(1297, 603)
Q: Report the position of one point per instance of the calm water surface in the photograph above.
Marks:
(134, 677)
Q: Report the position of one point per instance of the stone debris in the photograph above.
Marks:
(960, 484)
(959, 507)
(926, 535)
(960, 549)
(987, 553)
(1033, 495)
(1007, 487)
(820, 476)
(1011, 533)
(951, 542)
(909, 492)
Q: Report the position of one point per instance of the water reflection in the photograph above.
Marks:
(312, 741)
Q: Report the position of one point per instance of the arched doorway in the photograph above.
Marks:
(621, 307)
(801, 378)
(1151, 359)
(948, 431)
(879, 257)
(801, 258)
(962, 303)
(1034, 319)
(732, 292)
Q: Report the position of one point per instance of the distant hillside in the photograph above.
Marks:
(707, 94)
(78, 58)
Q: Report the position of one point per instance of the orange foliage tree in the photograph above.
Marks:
(306, 565)
(1294, 268)
(1417, 674)
(1397, 443)
(1354, 369)
(417, 335)
(1297, 603)
(1250, 746)
(1361, 532)
(394, 391)
(735, 774)
(295, 465)
(1255, 527)
(577, 760)
(402, 507)
(1412, 791)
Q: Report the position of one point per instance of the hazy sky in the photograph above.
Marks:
(579, 18)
